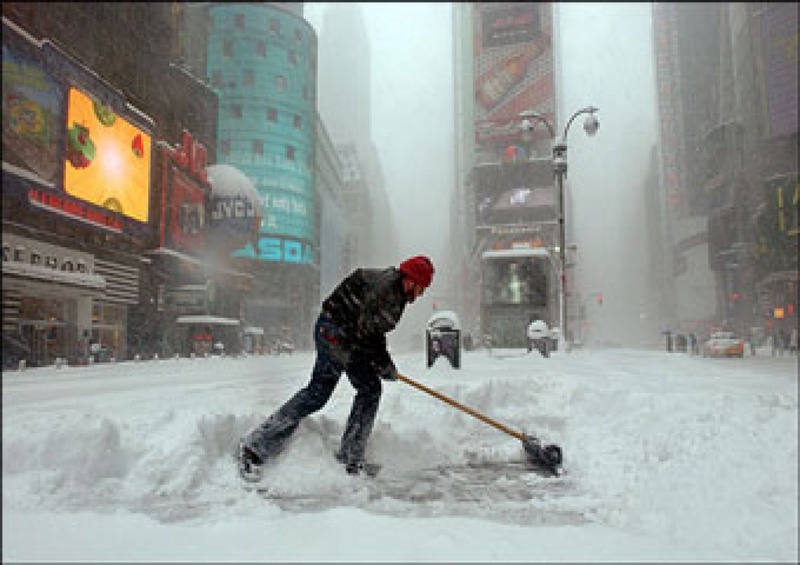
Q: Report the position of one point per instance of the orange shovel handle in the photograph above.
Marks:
(520, 436)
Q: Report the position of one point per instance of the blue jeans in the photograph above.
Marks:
(268, 439)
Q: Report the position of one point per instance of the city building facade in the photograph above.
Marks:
(80, 210)
(345, 102)
(727, 93)
(505, 198)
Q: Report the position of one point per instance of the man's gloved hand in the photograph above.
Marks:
(388, 372)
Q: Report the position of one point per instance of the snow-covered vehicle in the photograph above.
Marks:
(723, 344)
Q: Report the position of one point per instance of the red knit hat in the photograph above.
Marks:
(419, 269)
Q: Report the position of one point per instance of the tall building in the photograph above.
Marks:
(686, 51)
(345, 103)
(727, 94)
(505, 198)
(261, 59)
(80, 271)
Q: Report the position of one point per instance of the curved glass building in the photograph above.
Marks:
(262, 60)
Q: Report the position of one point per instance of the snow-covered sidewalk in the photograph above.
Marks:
(670, 458)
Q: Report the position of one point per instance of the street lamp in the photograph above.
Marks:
(591, 126)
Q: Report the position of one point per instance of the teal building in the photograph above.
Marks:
(262, 60)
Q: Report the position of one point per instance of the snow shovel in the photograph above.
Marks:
(545, 458)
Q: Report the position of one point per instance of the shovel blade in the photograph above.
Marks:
(547, 457)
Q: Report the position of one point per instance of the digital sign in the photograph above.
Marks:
(33, 108)
(513, 67)
(184, 194)
(107, 158)
(513, 192)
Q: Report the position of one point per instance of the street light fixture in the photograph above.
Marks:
(590, 125)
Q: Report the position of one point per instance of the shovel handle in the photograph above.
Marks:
(520, 436)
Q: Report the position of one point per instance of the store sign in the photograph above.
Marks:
(278, 249)
(508, 25)
(60, 203)
(26, 251)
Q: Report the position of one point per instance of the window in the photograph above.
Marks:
(305, 93)
(290, 152)
(275, 27)
(236, 111)
(227, 47)
(297, 122)
(239, 22)
(297, 35)
(272, 115)
(225, 147)
(261, 48)
(216, 79)
(292, 58)
(280, 82)
(249, 78)
(258, 147)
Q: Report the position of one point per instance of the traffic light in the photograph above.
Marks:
(599, 298)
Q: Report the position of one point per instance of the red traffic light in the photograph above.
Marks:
(599, 298)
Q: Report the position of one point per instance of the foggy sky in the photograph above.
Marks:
(606, 54)
(412, 114)
(607, 61)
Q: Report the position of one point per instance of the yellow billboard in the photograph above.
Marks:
(107, 159)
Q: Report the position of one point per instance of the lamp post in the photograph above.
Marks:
(591, 126)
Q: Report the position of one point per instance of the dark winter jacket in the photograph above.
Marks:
(365, 306)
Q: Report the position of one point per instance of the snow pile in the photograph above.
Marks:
(668, 456)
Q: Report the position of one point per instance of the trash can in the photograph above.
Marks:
(539, 338)
(443, 338)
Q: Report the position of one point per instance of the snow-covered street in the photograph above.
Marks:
(669, 457)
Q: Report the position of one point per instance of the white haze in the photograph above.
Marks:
(606, 59)
(412, 127)
(606, 54)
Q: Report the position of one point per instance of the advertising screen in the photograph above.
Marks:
(186, 212)
(513, 66)
(33, 109)
(107, 159)
(513, 192)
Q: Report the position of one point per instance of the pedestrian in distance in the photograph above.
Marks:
(350, 337)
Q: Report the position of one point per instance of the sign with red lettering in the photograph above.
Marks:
(185, 194)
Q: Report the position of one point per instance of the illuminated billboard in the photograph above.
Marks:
(515, 192)
(513, 67)
(107, 158)
(184, 193)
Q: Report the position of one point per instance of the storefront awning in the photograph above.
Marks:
(46, 274)
(167, 252)
(209, 320)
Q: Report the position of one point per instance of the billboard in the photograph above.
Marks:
(70, 146)
(107, 159)
(515, 192)
(513, 66)
(33, 109)
(184, 194)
